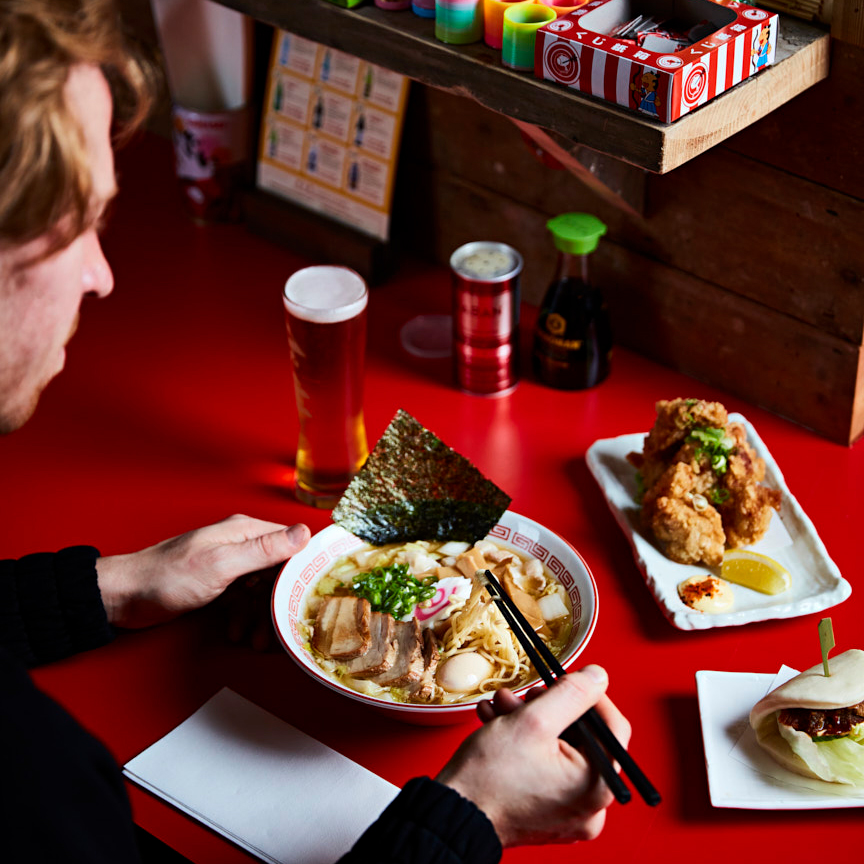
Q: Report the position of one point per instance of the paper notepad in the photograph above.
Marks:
(263, 784)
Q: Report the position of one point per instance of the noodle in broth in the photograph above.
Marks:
(469, 623)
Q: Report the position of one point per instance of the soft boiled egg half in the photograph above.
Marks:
(463, 673)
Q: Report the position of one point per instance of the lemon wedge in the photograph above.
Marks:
(755, 571)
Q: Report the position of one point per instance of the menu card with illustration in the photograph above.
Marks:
(330, 132)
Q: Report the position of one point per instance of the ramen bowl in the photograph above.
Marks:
(297, 579)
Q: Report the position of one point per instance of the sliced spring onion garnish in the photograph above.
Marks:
(719, 496)
(393, 589)
(715, 444)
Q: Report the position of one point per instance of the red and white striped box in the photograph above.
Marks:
(575, 50)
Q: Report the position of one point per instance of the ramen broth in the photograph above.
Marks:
(478, 652)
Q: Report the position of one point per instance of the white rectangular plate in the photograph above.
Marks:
(740, 773)
(791, 540)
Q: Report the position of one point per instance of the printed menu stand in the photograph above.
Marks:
(329, 144)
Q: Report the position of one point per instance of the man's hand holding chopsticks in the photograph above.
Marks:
(534, 787)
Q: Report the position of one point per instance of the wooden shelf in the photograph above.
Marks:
(406, 43)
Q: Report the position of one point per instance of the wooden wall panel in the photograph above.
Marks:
(782, 364)
(858, 402)
(818, 135)
(847, 21)
(453, 135)
(789, 243)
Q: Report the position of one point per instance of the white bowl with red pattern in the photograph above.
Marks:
(296, 581)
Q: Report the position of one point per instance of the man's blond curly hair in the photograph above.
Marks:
(45, 176)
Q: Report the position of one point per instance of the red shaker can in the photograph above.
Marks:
(486, 317)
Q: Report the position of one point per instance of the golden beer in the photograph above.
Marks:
(325, 313)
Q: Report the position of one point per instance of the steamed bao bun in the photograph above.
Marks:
(838, 761)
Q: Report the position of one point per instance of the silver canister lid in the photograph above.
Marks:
(486, 261)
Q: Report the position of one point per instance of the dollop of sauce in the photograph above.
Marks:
(462, 673)
(707, 594)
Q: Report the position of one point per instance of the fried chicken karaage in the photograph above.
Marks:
(702, 483)
(688, 528)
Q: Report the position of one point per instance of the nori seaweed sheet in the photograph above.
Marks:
(415, 487)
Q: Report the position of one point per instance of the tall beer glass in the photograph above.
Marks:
(325, 312)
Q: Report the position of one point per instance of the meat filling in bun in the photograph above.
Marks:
(824, 725)
(814, 724)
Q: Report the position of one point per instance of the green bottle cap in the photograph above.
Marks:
(576, 233)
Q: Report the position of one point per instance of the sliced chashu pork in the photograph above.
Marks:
(381, 655)
(408, 664)
(342, 628)
(423, 690)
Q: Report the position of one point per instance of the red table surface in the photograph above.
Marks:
(176, 409)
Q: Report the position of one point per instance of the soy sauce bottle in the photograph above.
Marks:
(573, 337)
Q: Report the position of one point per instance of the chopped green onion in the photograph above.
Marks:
(393, 589)
(689, 403)
(715, 444)
(640, 488)
(719, 496)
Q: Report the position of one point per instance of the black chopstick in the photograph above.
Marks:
(590, 724)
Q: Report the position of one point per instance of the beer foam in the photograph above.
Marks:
(325, 294)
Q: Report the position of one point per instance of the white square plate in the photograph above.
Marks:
(791, 540)
(740, 773)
